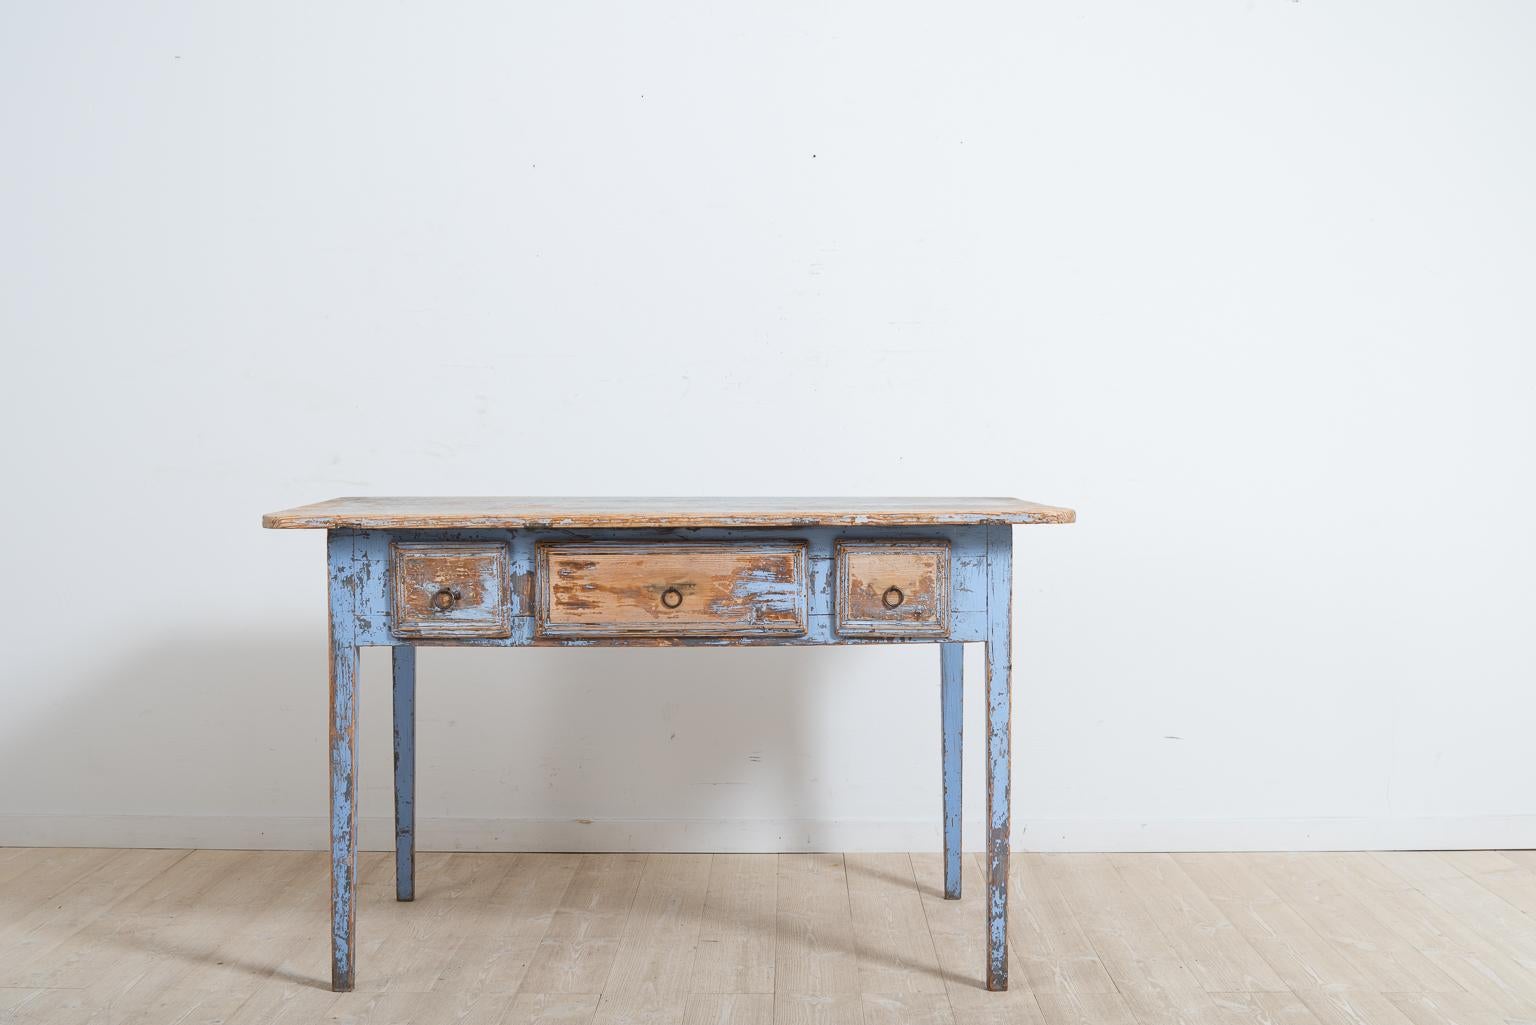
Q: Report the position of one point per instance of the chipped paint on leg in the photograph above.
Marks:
(951, 701)
(404, 663)
(999, 758)
(346, 582)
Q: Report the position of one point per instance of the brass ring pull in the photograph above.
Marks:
(671, 597)
(444, 599)
(892, 598)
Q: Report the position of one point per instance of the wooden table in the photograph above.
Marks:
(518, 572)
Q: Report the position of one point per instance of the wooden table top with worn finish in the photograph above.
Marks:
(516, 513)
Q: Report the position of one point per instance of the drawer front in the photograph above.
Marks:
(892, 588)
(451, 589)
(685, 589)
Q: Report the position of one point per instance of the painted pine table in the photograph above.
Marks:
(519, 572)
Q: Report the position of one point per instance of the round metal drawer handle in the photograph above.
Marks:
(671, 597)
(892, 598)
(444, 599)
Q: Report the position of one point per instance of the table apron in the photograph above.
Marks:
(359, 563)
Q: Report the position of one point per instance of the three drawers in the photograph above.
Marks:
(888, 589)
(681, 589)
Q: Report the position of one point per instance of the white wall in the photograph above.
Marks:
(1249, 284)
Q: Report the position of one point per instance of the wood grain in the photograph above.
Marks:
(172, 936)
(471, 578)
(736, 947)
(896, 952)
(371, 599)
(892, 588)
(576, 953)
(654, 961)
(815, 954)
(512, 513)
(672, 589)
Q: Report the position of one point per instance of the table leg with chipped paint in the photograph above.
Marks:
(404, 663)
(999, 753)
(343, 733)
(951, 702)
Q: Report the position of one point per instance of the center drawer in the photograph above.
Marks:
(666, 589)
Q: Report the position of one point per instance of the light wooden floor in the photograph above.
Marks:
(176, 937)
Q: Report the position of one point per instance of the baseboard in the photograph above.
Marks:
(746, 835)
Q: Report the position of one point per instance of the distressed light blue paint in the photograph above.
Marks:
(981, 586)
(968, 580)
(951, 701)
(404, 664)
(999, 757)
(347, 573)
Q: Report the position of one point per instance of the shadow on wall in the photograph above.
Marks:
(221, 742)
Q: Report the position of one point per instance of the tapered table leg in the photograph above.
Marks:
(404, 657)
(951, 700)
(343, 812)
(999, 757)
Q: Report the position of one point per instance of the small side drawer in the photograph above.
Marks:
(450, 589)
(671, 589)
(892, 588)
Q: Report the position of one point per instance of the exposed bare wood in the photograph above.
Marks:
(892, 588)
(412, 513)
(672, 589)
(457, 589)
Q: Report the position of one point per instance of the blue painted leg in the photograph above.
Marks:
(343, 812)
(342, 565)
(405, 771)
(952, 698)
(999, 758)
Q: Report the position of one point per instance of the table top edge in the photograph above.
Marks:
(657, 513)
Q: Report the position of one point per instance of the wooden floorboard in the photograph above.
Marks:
(100, 937)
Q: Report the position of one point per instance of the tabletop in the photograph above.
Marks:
(509, 513)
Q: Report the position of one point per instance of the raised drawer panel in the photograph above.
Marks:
(683, 589)
(450, 589)
(892, 588)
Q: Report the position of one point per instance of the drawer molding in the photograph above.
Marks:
(476, 573)
(627, 589)
(867, 572)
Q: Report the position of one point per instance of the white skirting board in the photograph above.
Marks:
(756, 835)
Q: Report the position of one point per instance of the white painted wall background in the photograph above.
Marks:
(1249, 284)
